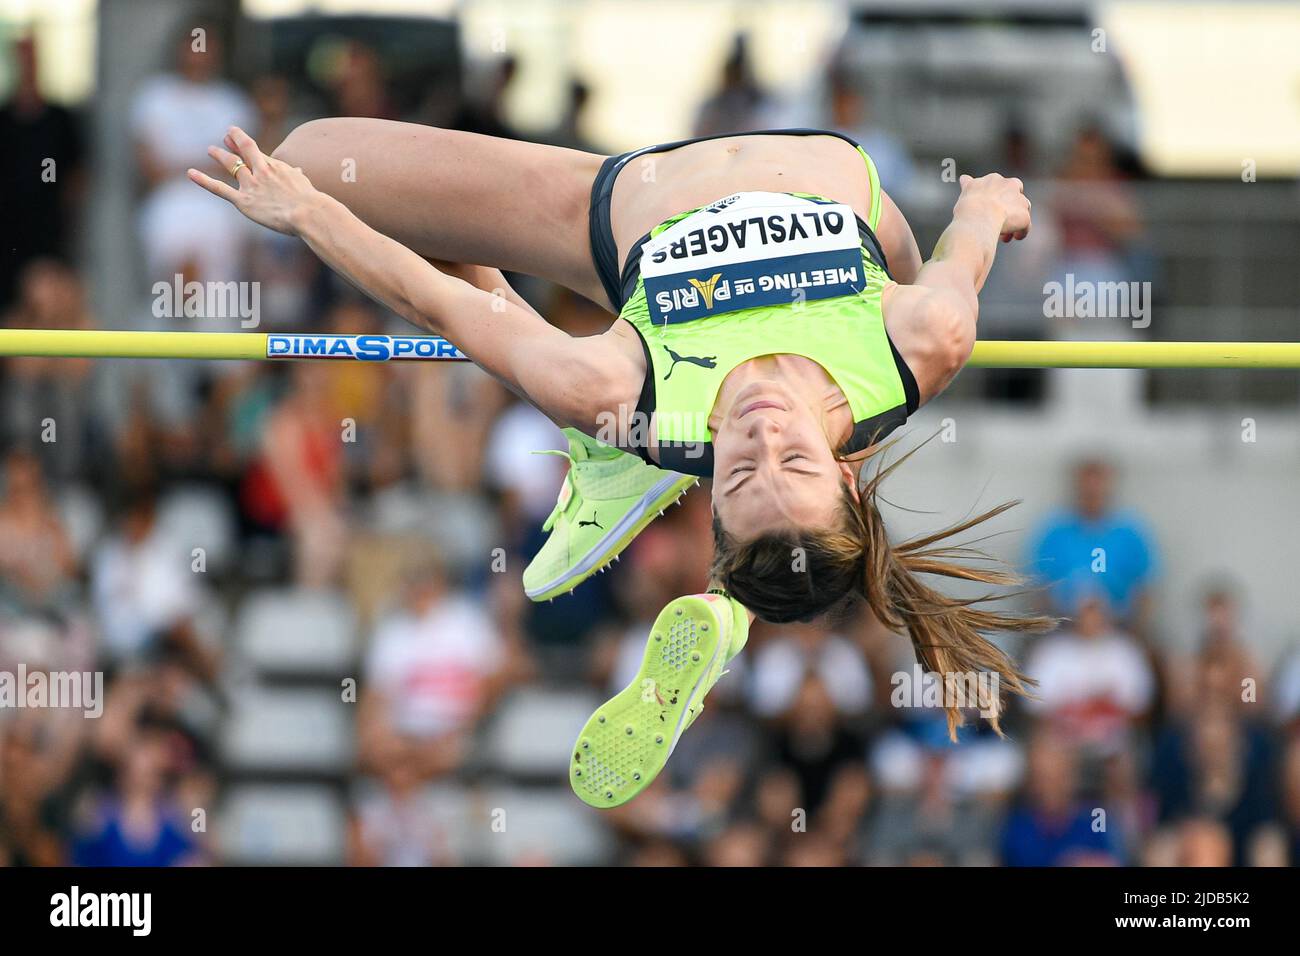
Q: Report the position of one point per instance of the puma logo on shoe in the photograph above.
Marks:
(706, 361)
(593, 521)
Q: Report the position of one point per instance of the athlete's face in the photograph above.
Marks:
(773, 469)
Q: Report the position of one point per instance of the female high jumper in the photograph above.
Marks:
(775, 322)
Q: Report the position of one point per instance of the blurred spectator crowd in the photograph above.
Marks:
(301, 582)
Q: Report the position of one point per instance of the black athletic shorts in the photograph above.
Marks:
(619, 282)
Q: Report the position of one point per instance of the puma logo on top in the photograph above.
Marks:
(704, 361)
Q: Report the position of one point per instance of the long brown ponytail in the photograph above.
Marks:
(797, 575)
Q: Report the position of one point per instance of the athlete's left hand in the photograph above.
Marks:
(1006, 196)
(270, 192)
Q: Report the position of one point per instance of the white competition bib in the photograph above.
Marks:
(751, 249)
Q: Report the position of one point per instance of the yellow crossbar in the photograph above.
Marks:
(262, 345)
(992, 354)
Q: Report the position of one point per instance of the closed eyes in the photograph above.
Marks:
(741, 469)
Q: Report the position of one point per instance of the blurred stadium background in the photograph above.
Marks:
(310, 655)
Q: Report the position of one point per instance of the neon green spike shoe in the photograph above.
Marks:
(628, 740)
(607, 498)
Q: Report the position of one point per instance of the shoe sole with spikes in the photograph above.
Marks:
(627, 741)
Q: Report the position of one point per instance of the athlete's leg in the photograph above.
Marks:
(459, 196)
(464, 198)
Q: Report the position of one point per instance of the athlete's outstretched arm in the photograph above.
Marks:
(485, 278)
(555, 372)
(932, 323)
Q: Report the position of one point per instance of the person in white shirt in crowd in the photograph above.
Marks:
(434, 667)
(512, 465)
(173, 117)
(799, 650)
(143, 589)
(1094, 680)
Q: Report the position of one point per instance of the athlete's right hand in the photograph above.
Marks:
(1003, 195)
(271, 193)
